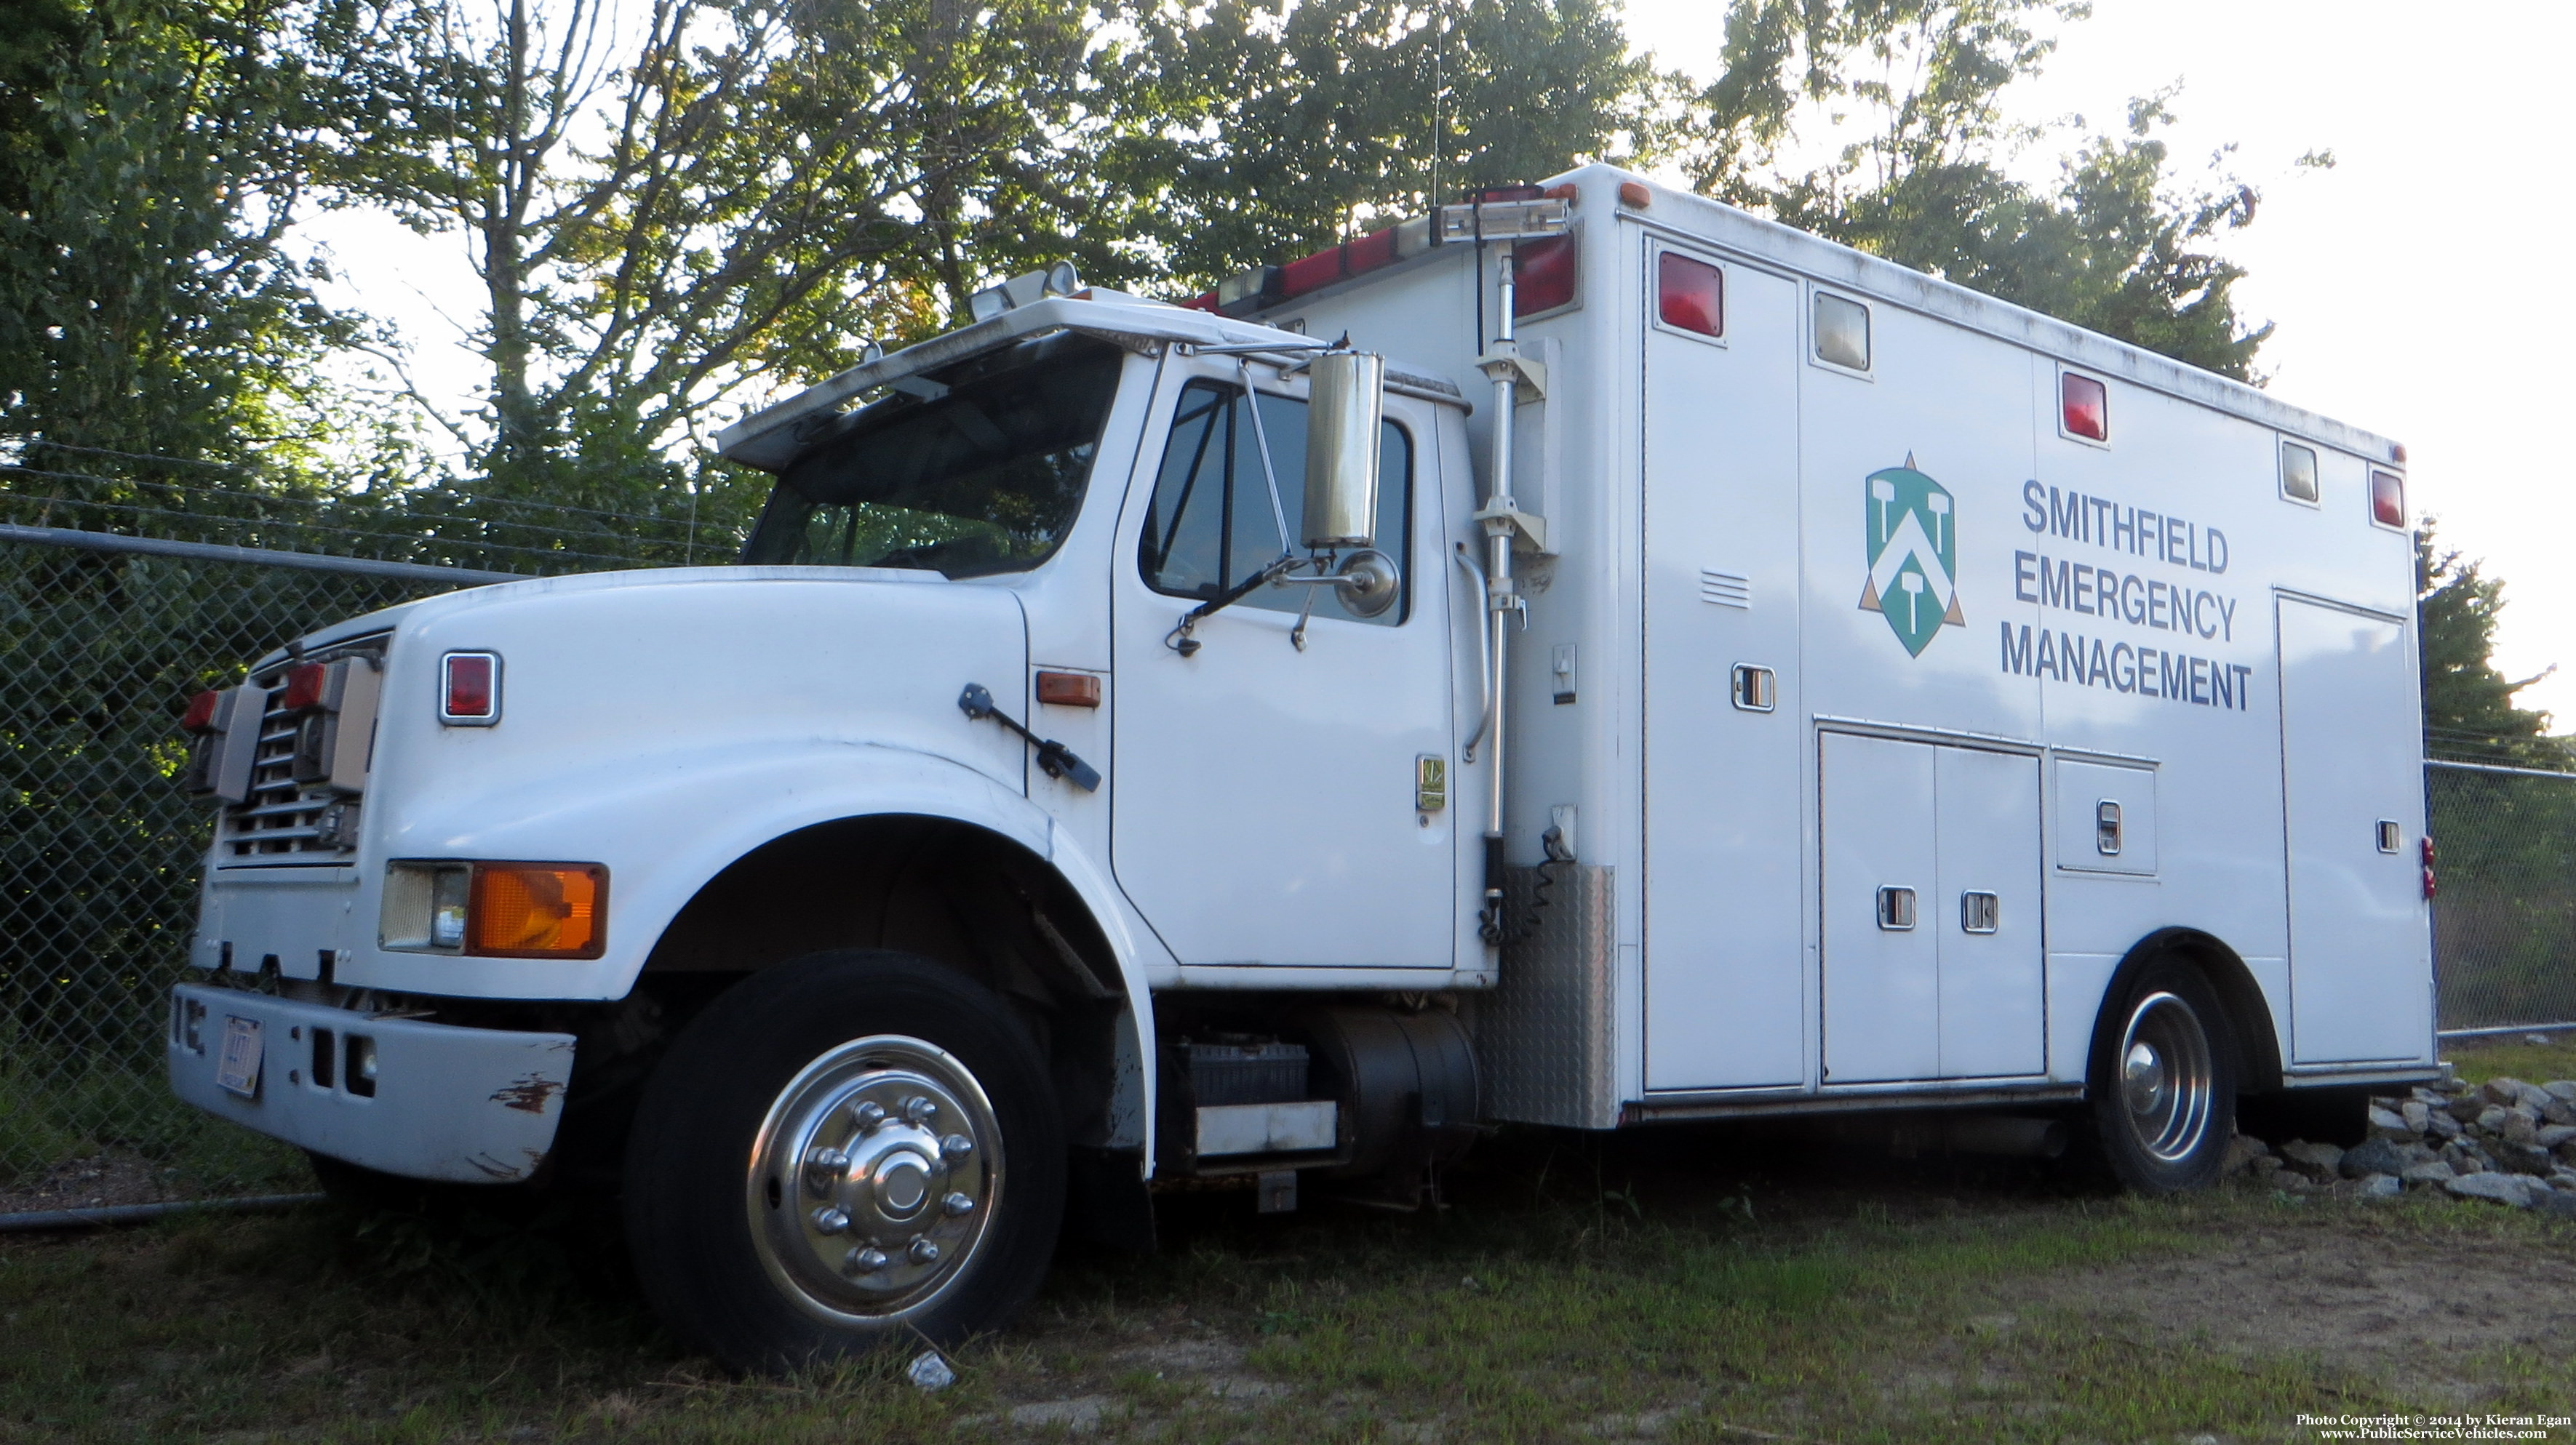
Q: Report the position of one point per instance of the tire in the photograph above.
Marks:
(857, 1148)
(2164, 1080)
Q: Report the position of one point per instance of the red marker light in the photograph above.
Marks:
(1690, 295)
(2087, 405)
(2428, 865)
(305, 682)
(200, 717)
(471, 692)
(2387, 499)
(1544, 276)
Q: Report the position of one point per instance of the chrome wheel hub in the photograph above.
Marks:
(872, 1179)
(2167, 1078)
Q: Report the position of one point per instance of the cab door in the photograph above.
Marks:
(1265, 800)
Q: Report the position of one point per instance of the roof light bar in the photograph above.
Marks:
(1510, 213)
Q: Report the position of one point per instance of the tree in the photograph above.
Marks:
(736, 193)
(1261, 129)
(2468, 702)
(1913, 87)
(149, 301)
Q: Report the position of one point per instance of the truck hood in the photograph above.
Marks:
(618, 681)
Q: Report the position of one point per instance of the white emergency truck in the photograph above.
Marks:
(1588, 657)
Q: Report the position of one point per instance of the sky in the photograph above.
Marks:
(2399, 307)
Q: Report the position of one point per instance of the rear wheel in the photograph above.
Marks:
(849, 1149)
(2164, 1081)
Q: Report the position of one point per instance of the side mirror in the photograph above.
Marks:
(1345, 406)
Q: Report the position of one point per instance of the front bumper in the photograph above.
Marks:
(472, 1106)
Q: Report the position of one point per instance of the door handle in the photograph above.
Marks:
(1980, 912)
(1895, 908)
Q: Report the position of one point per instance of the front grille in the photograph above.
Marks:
(284, 821)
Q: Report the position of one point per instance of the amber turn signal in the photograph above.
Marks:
(538, 910)
(1069, 689)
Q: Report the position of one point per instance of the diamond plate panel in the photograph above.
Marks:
(1547, 1038)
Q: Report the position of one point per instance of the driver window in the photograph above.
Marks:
(1211, 525)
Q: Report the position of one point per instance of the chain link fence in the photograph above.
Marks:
(2504, 914)
(104, 637)
(128, 582)
(100, 853)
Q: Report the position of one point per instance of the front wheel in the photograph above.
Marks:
(2164, 1081)
(853, 1148)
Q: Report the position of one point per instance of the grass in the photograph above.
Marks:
(66, 1113)
(1689, 1287)
(2506, 1055)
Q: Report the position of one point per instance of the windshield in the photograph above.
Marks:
(983, 478)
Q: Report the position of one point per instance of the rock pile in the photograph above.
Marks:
(2504, 1141)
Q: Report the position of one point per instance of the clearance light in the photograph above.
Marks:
(536, 910)
(2299, 473)
(469, 689)
(1842, 332)
(1690, 295)
(2387, 499)
(1025, 289)
(1543, 275)
(2086, 405)
(2428, 865)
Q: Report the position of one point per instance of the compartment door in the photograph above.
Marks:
(1882, 910)
(2360, 945)
(1993, 1022)
(1727, 1000)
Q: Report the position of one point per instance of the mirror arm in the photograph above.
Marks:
(1179, 639)
(1261, 441)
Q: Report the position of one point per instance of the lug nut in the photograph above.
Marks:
(830, 1220)
(824, 1168)
(919, 1110)
(866, 1260)
(869, 1114)
(924, 1252)
(957, 1204)
(956, 1147)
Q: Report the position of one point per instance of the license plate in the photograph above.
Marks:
(239, 1069)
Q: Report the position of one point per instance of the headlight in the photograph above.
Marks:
(495, 910)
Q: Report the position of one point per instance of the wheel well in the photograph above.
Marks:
(950, 892)
(2249, 1017)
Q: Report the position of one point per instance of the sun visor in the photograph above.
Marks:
(772, 438)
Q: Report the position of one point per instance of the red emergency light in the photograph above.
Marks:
(2086, 404)
(2387, 499)
(1690, 295)
(200, 716)
(1543, 275)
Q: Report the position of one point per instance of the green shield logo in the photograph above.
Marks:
(1913, 555)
